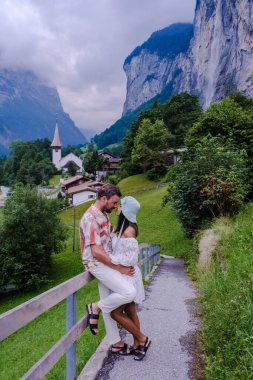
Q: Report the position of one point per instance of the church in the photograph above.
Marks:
(63, 163)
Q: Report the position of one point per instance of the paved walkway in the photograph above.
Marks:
(167, 317)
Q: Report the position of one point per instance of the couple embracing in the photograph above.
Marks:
(112, 257)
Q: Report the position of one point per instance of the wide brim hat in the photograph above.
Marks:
(130, 206)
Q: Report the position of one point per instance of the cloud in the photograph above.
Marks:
(80, 46)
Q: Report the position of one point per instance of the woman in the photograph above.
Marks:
(125, 252)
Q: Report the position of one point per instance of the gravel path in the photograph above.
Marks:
(167, 318)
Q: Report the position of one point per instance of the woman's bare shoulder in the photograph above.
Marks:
(129, 232)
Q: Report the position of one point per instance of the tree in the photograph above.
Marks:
(211, 181)
(149, 145)
(92, 160)
(231, 119)
(29, 163)
(178, 114)
(30, 233)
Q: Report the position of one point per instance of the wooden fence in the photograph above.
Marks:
(14, 319)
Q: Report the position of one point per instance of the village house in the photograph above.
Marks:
(84, 192)
(111, 165)
(71, 182)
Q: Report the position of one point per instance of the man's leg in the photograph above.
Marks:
(112, 330)
(122, 291)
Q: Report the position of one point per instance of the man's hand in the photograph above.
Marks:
(129, 271)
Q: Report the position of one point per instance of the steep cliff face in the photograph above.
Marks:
(219, 59)
(28, 109)
(152, 65)
(221, 52)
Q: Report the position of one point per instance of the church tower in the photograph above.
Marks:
(56, 148)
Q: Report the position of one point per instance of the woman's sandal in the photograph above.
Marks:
(141, 350)
(91, 315)
(124, 350)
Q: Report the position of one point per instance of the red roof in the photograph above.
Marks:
(72, 179)
(81, 188)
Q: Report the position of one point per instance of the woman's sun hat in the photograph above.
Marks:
(130, 206)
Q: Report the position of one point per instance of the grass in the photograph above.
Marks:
(55, 180)
(227, 299)
(136, 183)
(157, 225)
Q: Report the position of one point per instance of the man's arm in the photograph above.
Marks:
(100, 255)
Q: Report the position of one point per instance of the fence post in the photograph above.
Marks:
(145, 250)
(71, 353)
(150, 260)
(140, 259)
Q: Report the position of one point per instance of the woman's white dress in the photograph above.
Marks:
(127, 253)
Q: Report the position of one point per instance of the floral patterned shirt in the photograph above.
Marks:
(95, 228)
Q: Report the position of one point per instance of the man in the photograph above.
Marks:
(96, 245)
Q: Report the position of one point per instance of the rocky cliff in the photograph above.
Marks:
(219, 59)
(153, 64)
(28, 109)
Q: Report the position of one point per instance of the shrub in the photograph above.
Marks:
(31, 231)
(210, 181)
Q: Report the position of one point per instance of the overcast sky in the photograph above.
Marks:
(80, 46)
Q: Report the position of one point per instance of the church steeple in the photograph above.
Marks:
(56, 147)
(56, 143)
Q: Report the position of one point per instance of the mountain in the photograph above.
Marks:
(28, 110)
(219, 59)
(145, 68)
(151, 66)
(211, 59)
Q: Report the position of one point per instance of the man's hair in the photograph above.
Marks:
(108, 191)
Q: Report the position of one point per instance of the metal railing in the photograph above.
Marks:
(16, 318)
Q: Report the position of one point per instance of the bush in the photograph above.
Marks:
(30, 232)
(210, 181)
(231, 119)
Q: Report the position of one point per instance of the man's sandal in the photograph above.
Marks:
(141, 350)
(93, 326)
(124, 350)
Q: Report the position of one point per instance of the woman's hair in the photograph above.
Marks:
(121, 220)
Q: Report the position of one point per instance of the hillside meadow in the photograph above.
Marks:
(226, 289)
(157, 225)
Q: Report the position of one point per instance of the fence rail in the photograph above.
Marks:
(16, 318)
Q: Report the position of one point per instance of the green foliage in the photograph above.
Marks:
(149, 145)
(231, 119)
(31, 231)
(29, 163)
(226, 290)
(178, 114)
(210, 181)
(92, 161)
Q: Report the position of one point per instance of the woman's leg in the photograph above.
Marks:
(122, 318)
(130, 310)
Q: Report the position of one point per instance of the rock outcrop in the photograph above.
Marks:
(219, 58)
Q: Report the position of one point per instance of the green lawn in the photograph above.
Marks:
(55, 180)
(157, 225)
(136, 183)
